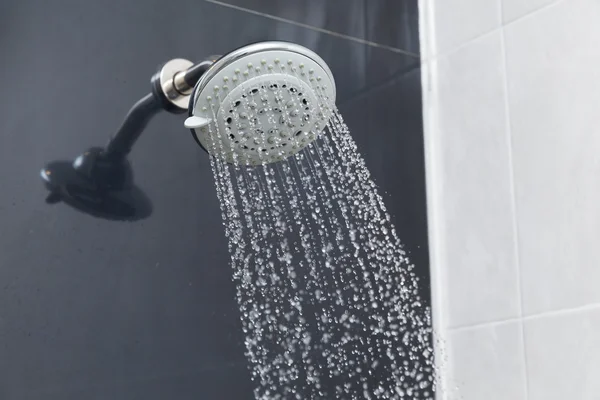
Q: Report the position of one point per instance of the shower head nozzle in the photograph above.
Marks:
(262, 103)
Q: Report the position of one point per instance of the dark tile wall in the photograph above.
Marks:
(391, 23)
(97, 309)
(387, 124)
(341, 16)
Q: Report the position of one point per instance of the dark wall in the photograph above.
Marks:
(97, 309)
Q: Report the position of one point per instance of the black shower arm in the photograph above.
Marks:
(172, 86)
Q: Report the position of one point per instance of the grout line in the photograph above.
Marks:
(460, 46)
(369, 90)
(430, 57)
(365, 50)
(513, 198)
(530, 13)
(533, 317)
(314, 28)
(486, 324)
(562, 312)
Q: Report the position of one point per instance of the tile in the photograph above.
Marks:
(393, 23)
(340, 16)
(553, 92)
(383, 66)
(513, 9)
(563, 356)
(472, 175)
(487, 362)
(355, 66)
(459, 21)
(386, 22)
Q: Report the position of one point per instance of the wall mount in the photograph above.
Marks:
(100, 180)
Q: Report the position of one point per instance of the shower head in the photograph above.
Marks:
(255, 105)
(261, 103)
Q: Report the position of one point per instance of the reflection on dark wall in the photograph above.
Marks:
(97, 309)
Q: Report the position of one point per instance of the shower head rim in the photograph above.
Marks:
(254, 48)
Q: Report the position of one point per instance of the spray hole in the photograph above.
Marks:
(231, 135)
(253, 90)
(298, 133)
(228, 120)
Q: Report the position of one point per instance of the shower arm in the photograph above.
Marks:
(172, 86)
(102, 170)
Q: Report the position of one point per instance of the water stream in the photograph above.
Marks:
(328, 298)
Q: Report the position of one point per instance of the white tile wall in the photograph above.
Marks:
(554, 92)
(513, 168)
(477, 203)
(487, 362)
(513, 9)
(459, 21)
(563, 356)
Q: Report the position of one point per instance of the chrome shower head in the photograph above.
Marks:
(261, 103)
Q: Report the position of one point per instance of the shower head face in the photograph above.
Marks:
(262, 103)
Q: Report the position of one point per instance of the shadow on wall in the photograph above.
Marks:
(129, 204)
